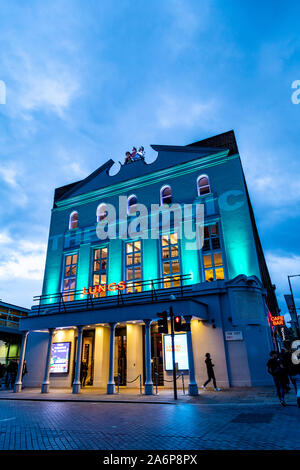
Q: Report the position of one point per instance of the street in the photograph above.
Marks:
(48, 425)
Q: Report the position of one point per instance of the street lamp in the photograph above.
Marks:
(295, 320)
(172, 297)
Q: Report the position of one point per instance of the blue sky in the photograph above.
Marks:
(87, 80)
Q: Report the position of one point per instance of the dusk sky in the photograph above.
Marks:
(87, 80)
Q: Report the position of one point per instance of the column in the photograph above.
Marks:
(77, 383)
(46, 383)
(18, 382)
(193, 388)
(148, 383)
(110, 390)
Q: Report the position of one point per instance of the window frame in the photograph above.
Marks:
(205, 186)
(170, 259)
(70, 220)
(211, 252)
(92, 260)
(162, 189)
(128, 199)
(98, 219)
(62, 291)
(125, 265)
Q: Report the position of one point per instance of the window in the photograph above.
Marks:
(99, 274)
(73, 221)
(101, 212)
(131, 204)
(203, 185)
(166, 195)
(213, 264)
(170, 260)
(69, 278)
(133, 265)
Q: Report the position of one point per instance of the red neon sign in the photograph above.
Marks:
(93, 290)
(277, 321)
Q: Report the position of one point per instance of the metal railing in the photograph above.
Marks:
(177, 377)
(142, 291)
(131, 381)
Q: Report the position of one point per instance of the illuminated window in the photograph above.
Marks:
(170, 260)
(166, 195)
(101, 212)
(131, 204)
(133, 266)
(213, 264)
(73, 221)
(99, 275)
(203, 185)
(69, 277)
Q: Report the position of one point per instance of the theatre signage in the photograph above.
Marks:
(98, 289)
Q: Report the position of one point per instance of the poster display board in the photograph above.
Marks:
(60, 358)
(181, 352)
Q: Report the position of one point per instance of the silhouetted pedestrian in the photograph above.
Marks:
(277, 370)
(210, 372)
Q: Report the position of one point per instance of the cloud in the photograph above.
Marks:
(180, 111)
(22, 260)
(8, 175)
(48, 85)
(280, 266)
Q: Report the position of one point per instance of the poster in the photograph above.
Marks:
(60, 356)
(181, 353)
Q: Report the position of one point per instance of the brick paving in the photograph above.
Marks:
(231, 420)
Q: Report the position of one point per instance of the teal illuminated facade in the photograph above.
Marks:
(223, 290)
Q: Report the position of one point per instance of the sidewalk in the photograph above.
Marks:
(231, 396)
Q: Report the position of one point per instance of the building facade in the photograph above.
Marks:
(101, 297)
(10, 336)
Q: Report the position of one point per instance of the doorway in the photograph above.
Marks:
(157, 355)
(120, 355)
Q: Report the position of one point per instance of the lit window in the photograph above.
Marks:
(131, 204)
(203, 185)
(69, 278)
(166, 195)
(170, 260)
(133, 266)
(99, 275)
(212, 257)
(73, 221)
(101, 212)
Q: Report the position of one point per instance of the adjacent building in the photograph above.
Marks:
(101, 298)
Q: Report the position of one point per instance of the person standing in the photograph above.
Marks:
(210, 373)
(276, 368)
(84, 372)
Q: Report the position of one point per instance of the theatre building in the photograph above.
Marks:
(99, 308)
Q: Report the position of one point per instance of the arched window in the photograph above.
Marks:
(101, 212)
(166, 195)
(131, 204)
(73, 221)
(203, 185)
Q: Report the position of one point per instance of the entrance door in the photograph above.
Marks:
(120, 355)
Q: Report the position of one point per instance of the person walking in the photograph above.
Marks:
(210, 373)
(276, 368)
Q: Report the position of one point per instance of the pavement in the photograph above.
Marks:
(235, 395)
(233, 419)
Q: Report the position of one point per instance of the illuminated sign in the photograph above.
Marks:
(60, 358)
(277, 321)
(93, 290)
(181, 353)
